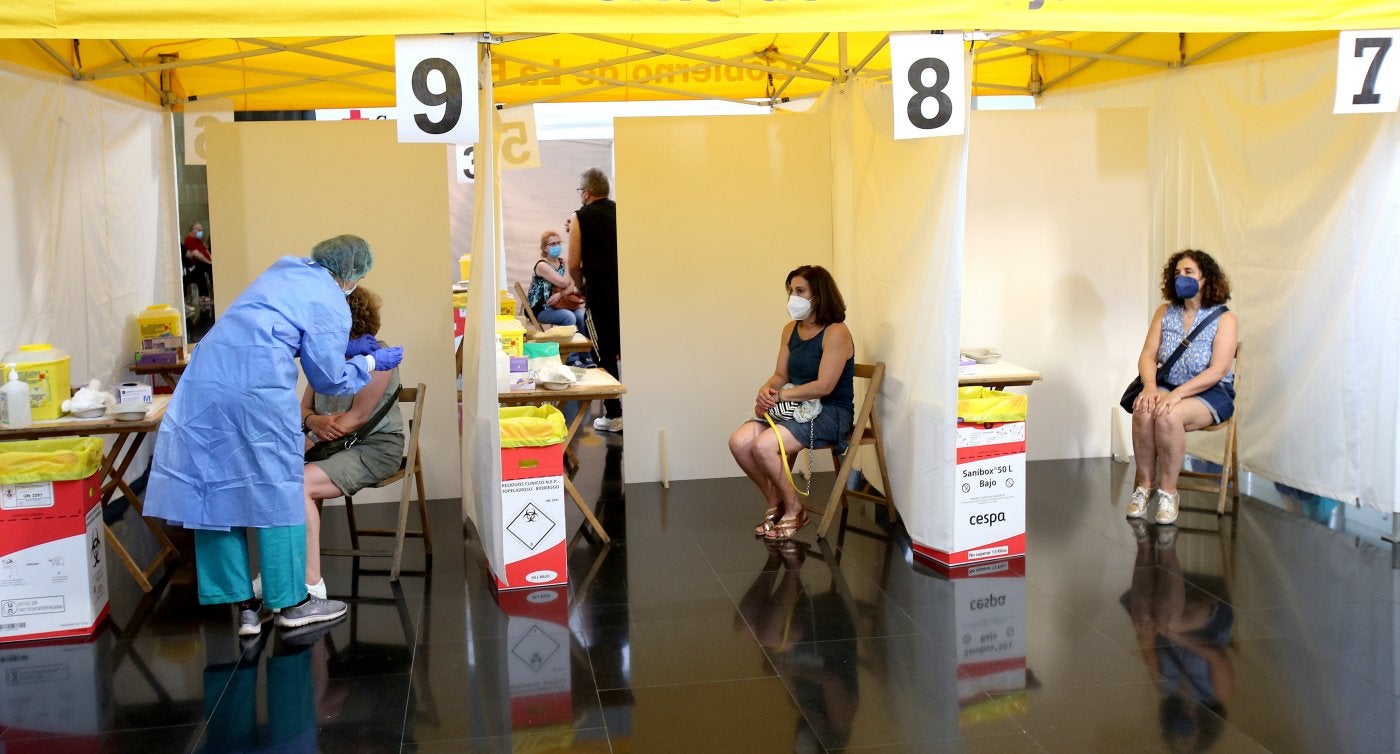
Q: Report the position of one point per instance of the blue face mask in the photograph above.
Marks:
(199, 234)
(554, 250)
(1186, 287)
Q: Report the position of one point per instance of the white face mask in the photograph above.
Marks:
(352, 290)
(798, 307)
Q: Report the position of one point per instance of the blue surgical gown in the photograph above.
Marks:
(229, 450)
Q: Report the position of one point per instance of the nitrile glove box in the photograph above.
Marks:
(534, 552)
(53, 569)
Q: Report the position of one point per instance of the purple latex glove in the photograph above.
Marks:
(387, 358)
(365, 344)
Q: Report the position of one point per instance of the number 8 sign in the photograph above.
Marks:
(435, 77)
(929, 85)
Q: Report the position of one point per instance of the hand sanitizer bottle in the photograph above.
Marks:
(14, 403)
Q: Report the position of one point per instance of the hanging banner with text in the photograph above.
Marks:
(436, 82)
(1368, 72)
(927, 74)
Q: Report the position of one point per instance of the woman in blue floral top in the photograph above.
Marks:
(1200, 389)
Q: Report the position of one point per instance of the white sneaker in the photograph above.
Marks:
(604, 424)
(1167, 507)
(1137, 504)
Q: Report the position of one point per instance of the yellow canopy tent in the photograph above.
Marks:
(268, 55)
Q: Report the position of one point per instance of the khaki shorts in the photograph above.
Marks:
(374, 458)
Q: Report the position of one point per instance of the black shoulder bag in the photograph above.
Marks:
(1135, 387)
(327, 448)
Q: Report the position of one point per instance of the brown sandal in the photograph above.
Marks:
(770, 517)
(787, 528)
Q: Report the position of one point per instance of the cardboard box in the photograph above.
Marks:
(165, 343)
(988, 515)
(133, 392)
(534, 550)
(159, 358)
(53, 569)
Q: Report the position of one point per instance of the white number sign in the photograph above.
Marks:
(198, 115)
(466, 163)
(1368, 72)
(436, 83)
(929, 85)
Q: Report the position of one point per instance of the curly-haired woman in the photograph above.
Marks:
(1198, 391)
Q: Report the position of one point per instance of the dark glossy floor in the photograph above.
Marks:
(688, 635)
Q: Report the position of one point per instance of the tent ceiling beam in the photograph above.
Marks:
(59, 58)
(871, 55)
(387, 68)
(831, 73)
(1210, 50)
(187, 62)
(1072, 53)
(165, 94)
(820, 41)
(1000, 43)
(337, 77)
(694, 56)
(304, 81)
(1079, 68)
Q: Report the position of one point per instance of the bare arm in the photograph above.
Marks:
(1222, 352)
(768, 391)
(575, 261)
(544, 270)
(837, 348)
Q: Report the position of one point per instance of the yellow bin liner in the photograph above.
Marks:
(61, 459)
(979, 404)
(532, 426)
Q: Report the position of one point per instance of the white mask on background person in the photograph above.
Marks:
(798, 307)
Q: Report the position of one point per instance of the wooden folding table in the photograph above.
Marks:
(128, 436)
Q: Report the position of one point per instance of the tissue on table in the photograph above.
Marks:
(556, 372)
(92, 396)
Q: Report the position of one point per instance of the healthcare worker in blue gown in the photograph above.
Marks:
(228, 455)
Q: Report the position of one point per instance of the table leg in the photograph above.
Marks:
(592, 520)
(115, 481)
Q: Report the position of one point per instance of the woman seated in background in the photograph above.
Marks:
(816, 361)
(376, 456)
(554, 298)
(1198, 391)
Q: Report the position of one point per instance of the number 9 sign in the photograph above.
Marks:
(435, 78)
(928, 84)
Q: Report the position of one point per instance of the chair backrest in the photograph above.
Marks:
(524, 303)
(416, 396)
(876, 374)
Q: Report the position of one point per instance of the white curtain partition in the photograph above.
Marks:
(1302, 207)
(481, 442)
(897, 229)
(88, 234)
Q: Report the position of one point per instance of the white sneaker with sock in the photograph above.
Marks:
(604, 424)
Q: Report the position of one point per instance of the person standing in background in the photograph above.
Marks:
(593, 267)
(198, 267)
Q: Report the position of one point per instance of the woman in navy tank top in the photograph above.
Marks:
(816, 360)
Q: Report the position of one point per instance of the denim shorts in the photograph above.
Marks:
(1219, 399)
(832, 427)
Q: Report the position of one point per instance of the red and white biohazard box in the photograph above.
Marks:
(988, 515)
(533, 549)
(53, 568)
(537, 661)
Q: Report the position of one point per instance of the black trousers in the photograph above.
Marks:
(607, 339)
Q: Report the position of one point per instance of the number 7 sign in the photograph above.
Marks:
(1368, 72)
(435, 78)
(928, 84)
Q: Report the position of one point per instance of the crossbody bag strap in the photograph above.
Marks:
(1185, 343)
(354, 438)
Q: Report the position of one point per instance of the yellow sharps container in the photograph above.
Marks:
(45, 368)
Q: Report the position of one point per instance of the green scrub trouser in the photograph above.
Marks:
(221, 559)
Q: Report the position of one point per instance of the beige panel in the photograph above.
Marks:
(1055, 260)
(277, 188)
(716, 211)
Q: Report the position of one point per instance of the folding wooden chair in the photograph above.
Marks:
(524, 302)
(864, 431)
(1226, 483)
(410, 466)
